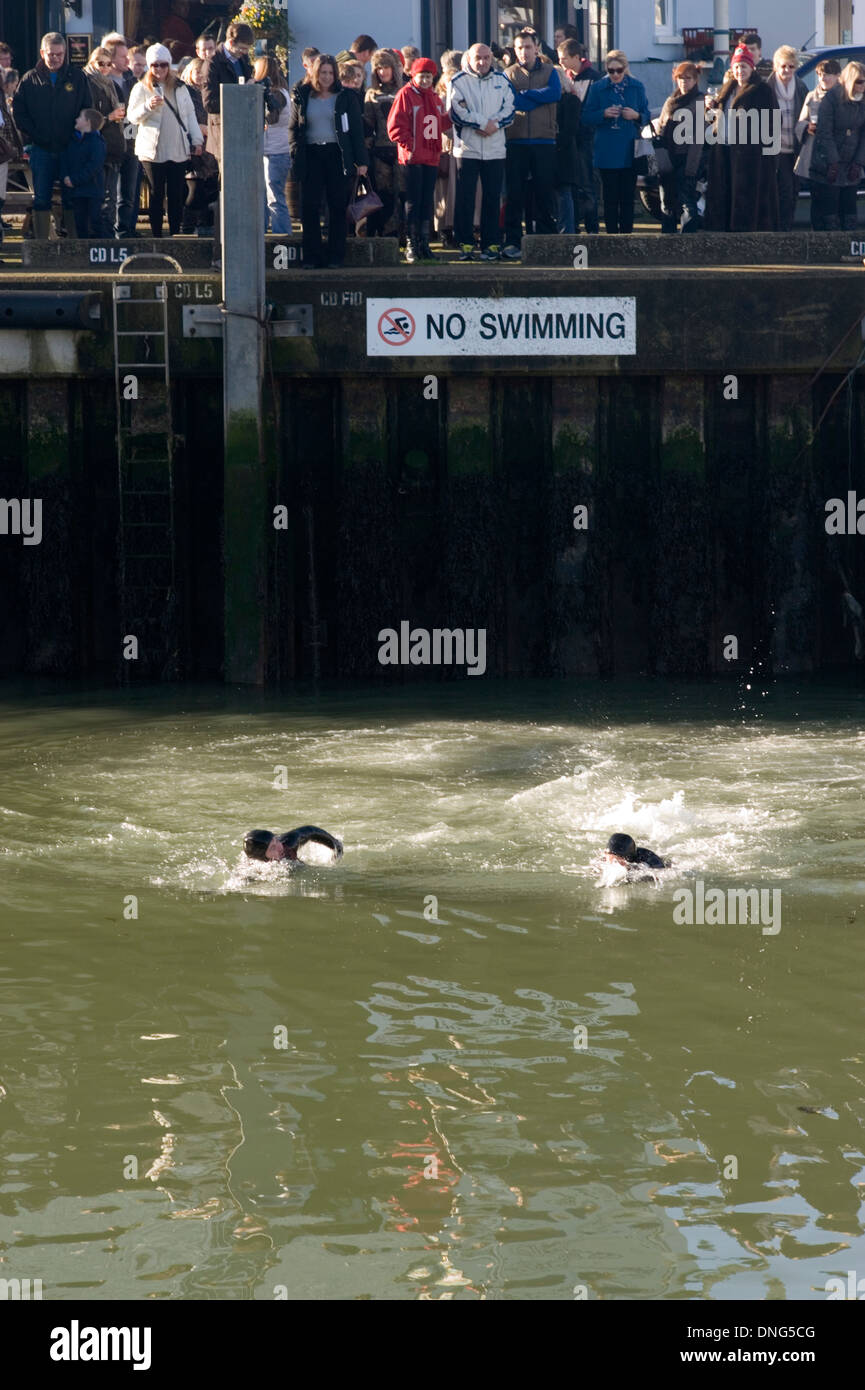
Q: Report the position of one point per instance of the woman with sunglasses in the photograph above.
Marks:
(168, 132)
(105, 100)
(838, 157)
(617, 109)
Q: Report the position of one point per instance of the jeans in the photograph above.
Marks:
(166, 177)
(88, 216)
(678, 196)
(420, 182)
(45, 170)
(788, 191)
(578, 202)
(105, 221)
(128, 195)
(276, 167)
(323, 176)
(537, 162)
(567, 196)
(619, 186)
(492, 174)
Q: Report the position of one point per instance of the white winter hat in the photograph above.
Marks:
(157, 53)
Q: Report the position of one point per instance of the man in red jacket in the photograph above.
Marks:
(416, 122)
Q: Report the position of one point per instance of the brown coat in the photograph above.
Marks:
(742, 195)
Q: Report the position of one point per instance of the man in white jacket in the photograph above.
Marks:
(481, 104)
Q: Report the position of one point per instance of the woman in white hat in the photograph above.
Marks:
(168, 133)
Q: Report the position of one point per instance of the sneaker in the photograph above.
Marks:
(491, 253)
(512, 253)
(467, 252)
(411, 253)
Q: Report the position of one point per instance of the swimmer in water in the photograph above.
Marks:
(263, 844)
(622, 850)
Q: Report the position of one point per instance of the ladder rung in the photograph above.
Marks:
(145, 492)
(140, 333)
(152, 365)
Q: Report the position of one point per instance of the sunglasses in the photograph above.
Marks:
(614, 70)
(160, 65)
(102, 64)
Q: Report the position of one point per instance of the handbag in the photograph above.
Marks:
(642, 150)
(193, 144)
(361, 205)
(7, 149)
(660, 162)
(444, 164)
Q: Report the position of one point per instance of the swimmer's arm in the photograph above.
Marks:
(296, 839)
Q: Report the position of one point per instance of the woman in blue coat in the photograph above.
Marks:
(617, 108)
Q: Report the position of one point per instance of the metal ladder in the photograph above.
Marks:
(145, 475)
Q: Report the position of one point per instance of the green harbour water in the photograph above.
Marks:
(368, 1080)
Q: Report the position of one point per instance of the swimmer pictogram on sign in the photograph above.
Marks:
(396, 327)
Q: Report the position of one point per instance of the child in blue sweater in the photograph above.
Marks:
(82, 166)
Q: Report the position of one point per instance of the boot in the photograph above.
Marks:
(41, 225)
(426, 252)
(69, 228)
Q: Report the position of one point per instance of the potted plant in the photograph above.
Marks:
(268, 21)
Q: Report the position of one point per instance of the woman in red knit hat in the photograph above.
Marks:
(742, 195)
(415, 124)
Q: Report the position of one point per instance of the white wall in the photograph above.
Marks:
(791, 22)
(330, 25)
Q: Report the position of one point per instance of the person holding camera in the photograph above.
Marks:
(161, 107)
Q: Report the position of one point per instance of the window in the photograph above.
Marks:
(665, 21)
(599, 31)
(513, 18)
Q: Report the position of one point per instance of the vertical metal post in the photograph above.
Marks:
(722, 28)
(246, 531)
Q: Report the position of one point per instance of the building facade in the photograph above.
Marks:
(652, 32)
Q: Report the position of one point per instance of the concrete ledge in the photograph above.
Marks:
(286, 252)
(701, 249)
(191, 253)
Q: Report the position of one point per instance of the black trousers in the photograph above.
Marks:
(491, 173)
(619, 186)
(323, 178)
(166, 178)
(88, 217)
(833, 209)
(538, 163)
(788, 191)
(420, 184)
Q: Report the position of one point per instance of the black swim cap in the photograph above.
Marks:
(622, 845)
(256, 843)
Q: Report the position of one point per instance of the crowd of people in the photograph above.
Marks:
(477, 150)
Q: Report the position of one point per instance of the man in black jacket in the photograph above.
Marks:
(229, 63)
(45, 107)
